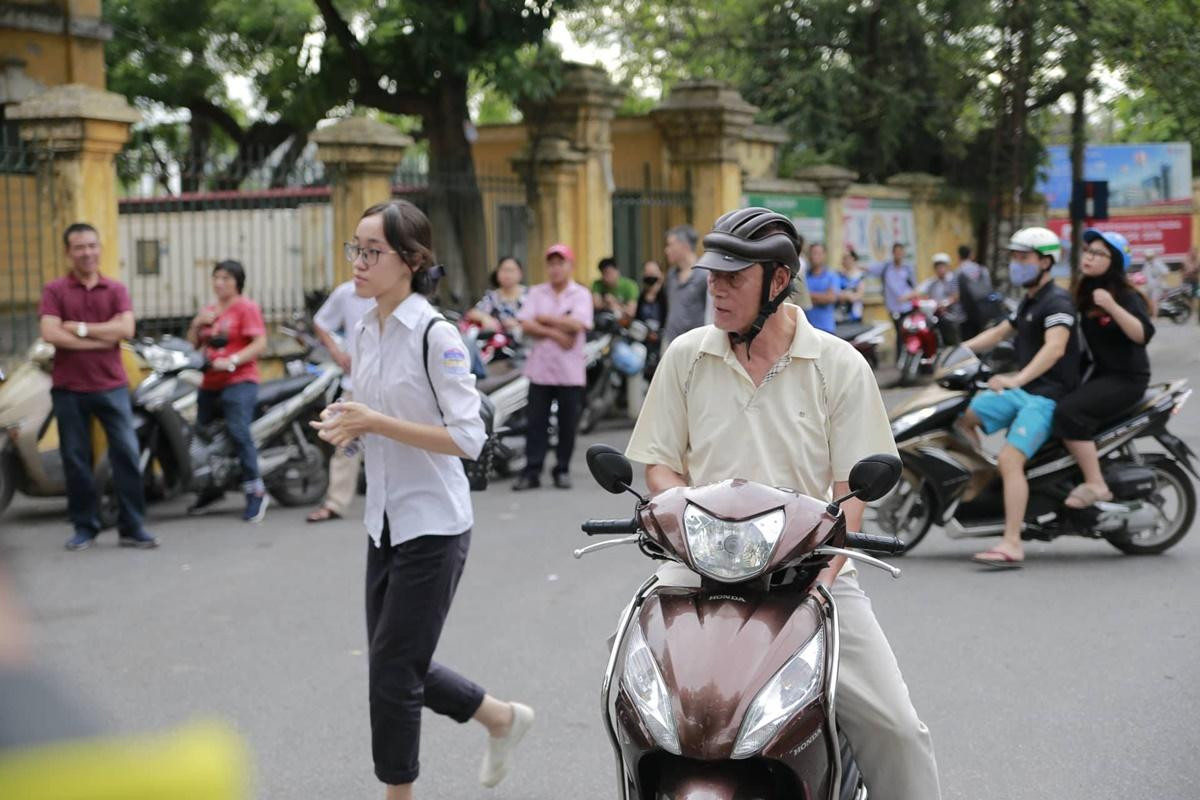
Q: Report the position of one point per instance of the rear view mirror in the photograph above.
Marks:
(610, 468)
(874, 476)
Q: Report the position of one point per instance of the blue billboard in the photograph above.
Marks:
(1138, 175)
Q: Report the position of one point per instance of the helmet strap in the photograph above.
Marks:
(766, 307)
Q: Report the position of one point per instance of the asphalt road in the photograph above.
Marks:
(1073, 678)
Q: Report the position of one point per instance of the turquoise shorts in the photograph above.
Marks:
(1028, 417)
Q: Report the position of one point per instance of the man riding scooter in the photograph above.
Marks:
(1047, 346)
(764, 396)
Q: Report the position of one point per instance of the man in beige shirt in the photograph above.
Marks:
(762, 395)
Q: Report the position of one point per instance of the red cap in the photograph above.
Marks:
(562, 251)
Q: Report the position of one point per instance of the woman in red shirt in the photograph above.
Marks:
(232, 335)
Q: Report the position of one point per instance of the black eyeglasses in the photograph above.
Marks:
(1098, 252)
(370, 256)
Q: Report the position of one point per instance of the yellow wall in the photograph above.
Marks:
(52, 59)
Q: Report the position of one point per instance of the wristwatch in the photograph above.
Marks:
(81, 330)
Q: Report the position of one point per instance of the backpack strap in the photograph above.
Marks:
(425, 360)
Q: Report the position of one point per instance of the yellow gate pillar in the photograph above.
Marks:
(76, 131)
(834, 181)
(703, 123)
(361, 155)
(567, 168)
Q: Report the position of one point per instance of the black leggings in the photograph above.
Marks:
(409, 589)
(1080, 415)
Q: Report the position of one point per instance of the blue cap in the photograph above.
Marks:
(1116, 241)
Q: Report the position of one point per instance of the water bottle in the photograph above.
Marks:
(351, 448)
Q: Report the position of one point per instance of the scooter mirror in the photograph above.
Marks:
(611, 468)
(874, 476)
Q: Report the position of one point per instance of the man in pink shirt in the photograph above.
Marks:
(556, 316)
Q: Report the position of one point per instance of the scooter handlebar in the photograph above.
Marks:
(873, 543)
(598, 527)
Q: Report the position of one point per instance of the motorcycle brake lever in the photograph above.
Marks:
(591, 548)
(857, 556)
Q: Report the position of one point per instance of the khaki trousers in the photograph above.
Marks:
(343, 475)
(892, 746)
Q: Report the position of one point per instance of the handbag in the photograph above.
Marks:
(476, 470)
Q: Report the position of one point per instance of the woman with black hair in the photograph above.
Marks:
(497, 310)
(232, 336)
(417, 414)
(1116, 328)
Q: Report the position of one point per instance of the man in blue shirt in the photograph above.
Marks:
(823, 287)
(899, 284)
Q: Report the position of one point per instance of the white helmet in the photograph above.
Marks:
(1037, 240)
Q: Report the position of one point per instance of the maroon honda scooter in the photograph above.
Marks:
(721, 682)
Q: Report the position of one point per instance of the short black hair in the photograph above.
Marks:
(686, 234)
(235, 270)
(964, 251)
(607, 262)
(494, 275)
(78, 227)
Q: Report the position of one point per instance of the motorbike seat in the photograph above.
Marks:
(1146, 400)
(850, 330)
(277, 391)
(493, 382)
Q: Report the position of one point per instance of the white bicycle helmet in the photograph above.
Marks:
(1037, 240)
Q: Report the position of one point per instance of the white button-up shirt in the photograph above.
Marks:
(422, 493)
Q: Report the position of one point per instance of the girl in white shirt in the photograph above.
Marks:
(415, 421)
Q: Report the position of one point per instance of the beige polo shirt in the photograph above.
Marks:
(814, 417)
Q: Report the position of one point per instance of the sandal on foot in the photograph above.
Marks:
(323, 514)
(998, 559)
(1084, 496)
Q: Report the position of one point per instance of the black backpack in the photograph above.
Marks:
(477, 470)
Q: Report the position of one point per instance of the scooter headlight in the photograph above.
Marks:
(731, 551)
(644, 683)
(914, 323)
(792, 688)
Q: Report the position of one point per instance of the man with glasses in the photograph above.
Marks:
(1048, 355)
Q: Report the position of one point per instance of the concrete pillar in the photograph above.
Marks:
(360, 155)
(567, 167)
(77, 131)
(834, 181)
(703, 123)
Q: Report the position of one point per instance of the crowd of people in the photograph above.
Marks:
(409, 398)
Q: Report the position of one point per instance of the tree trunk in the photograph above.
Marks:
(455, 203)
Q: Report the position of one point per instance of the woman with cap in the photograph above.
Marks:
(1116, 328)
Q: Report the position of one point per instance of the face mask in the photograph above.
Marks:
(649, 280)
(1024, 274)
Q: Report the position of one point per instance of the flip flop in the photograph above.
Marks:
(1085, 496)
(323, 514)
(999, 559)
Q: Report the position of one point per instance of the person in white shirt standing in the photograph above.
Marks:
(341, 311)
(415, 419)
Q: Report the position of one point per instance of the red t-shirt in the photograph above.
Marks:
(240, 323)
(71, 301)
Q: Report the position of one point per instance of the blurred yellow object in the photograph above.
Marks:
(204, 761)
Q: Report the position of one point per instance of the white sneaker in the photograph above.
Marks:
(495, 760)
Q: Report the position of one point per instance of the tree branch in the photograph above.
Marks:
(203, 107)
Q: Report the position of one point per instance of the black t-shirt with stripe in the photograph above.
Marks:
(1050, 307)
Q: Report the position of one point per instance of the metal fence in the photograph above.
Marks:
(176, 222)
(642, 215)
(24, 246)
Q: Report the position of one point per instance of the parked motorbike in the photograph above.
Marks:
(721, 679)
(1176, 305)
(292, 459)
(30, 461)
(919, 340)
(613, 355)
(866, 337)
(947, 482)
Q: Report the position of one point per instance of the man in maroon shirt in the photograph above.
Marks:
(85, 316)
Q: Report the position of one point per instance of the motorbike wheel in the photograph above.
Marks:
(8, 479)
(888, 516)
(303, 481)
(909, 368)
(1173, 526)
(1183, 314)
